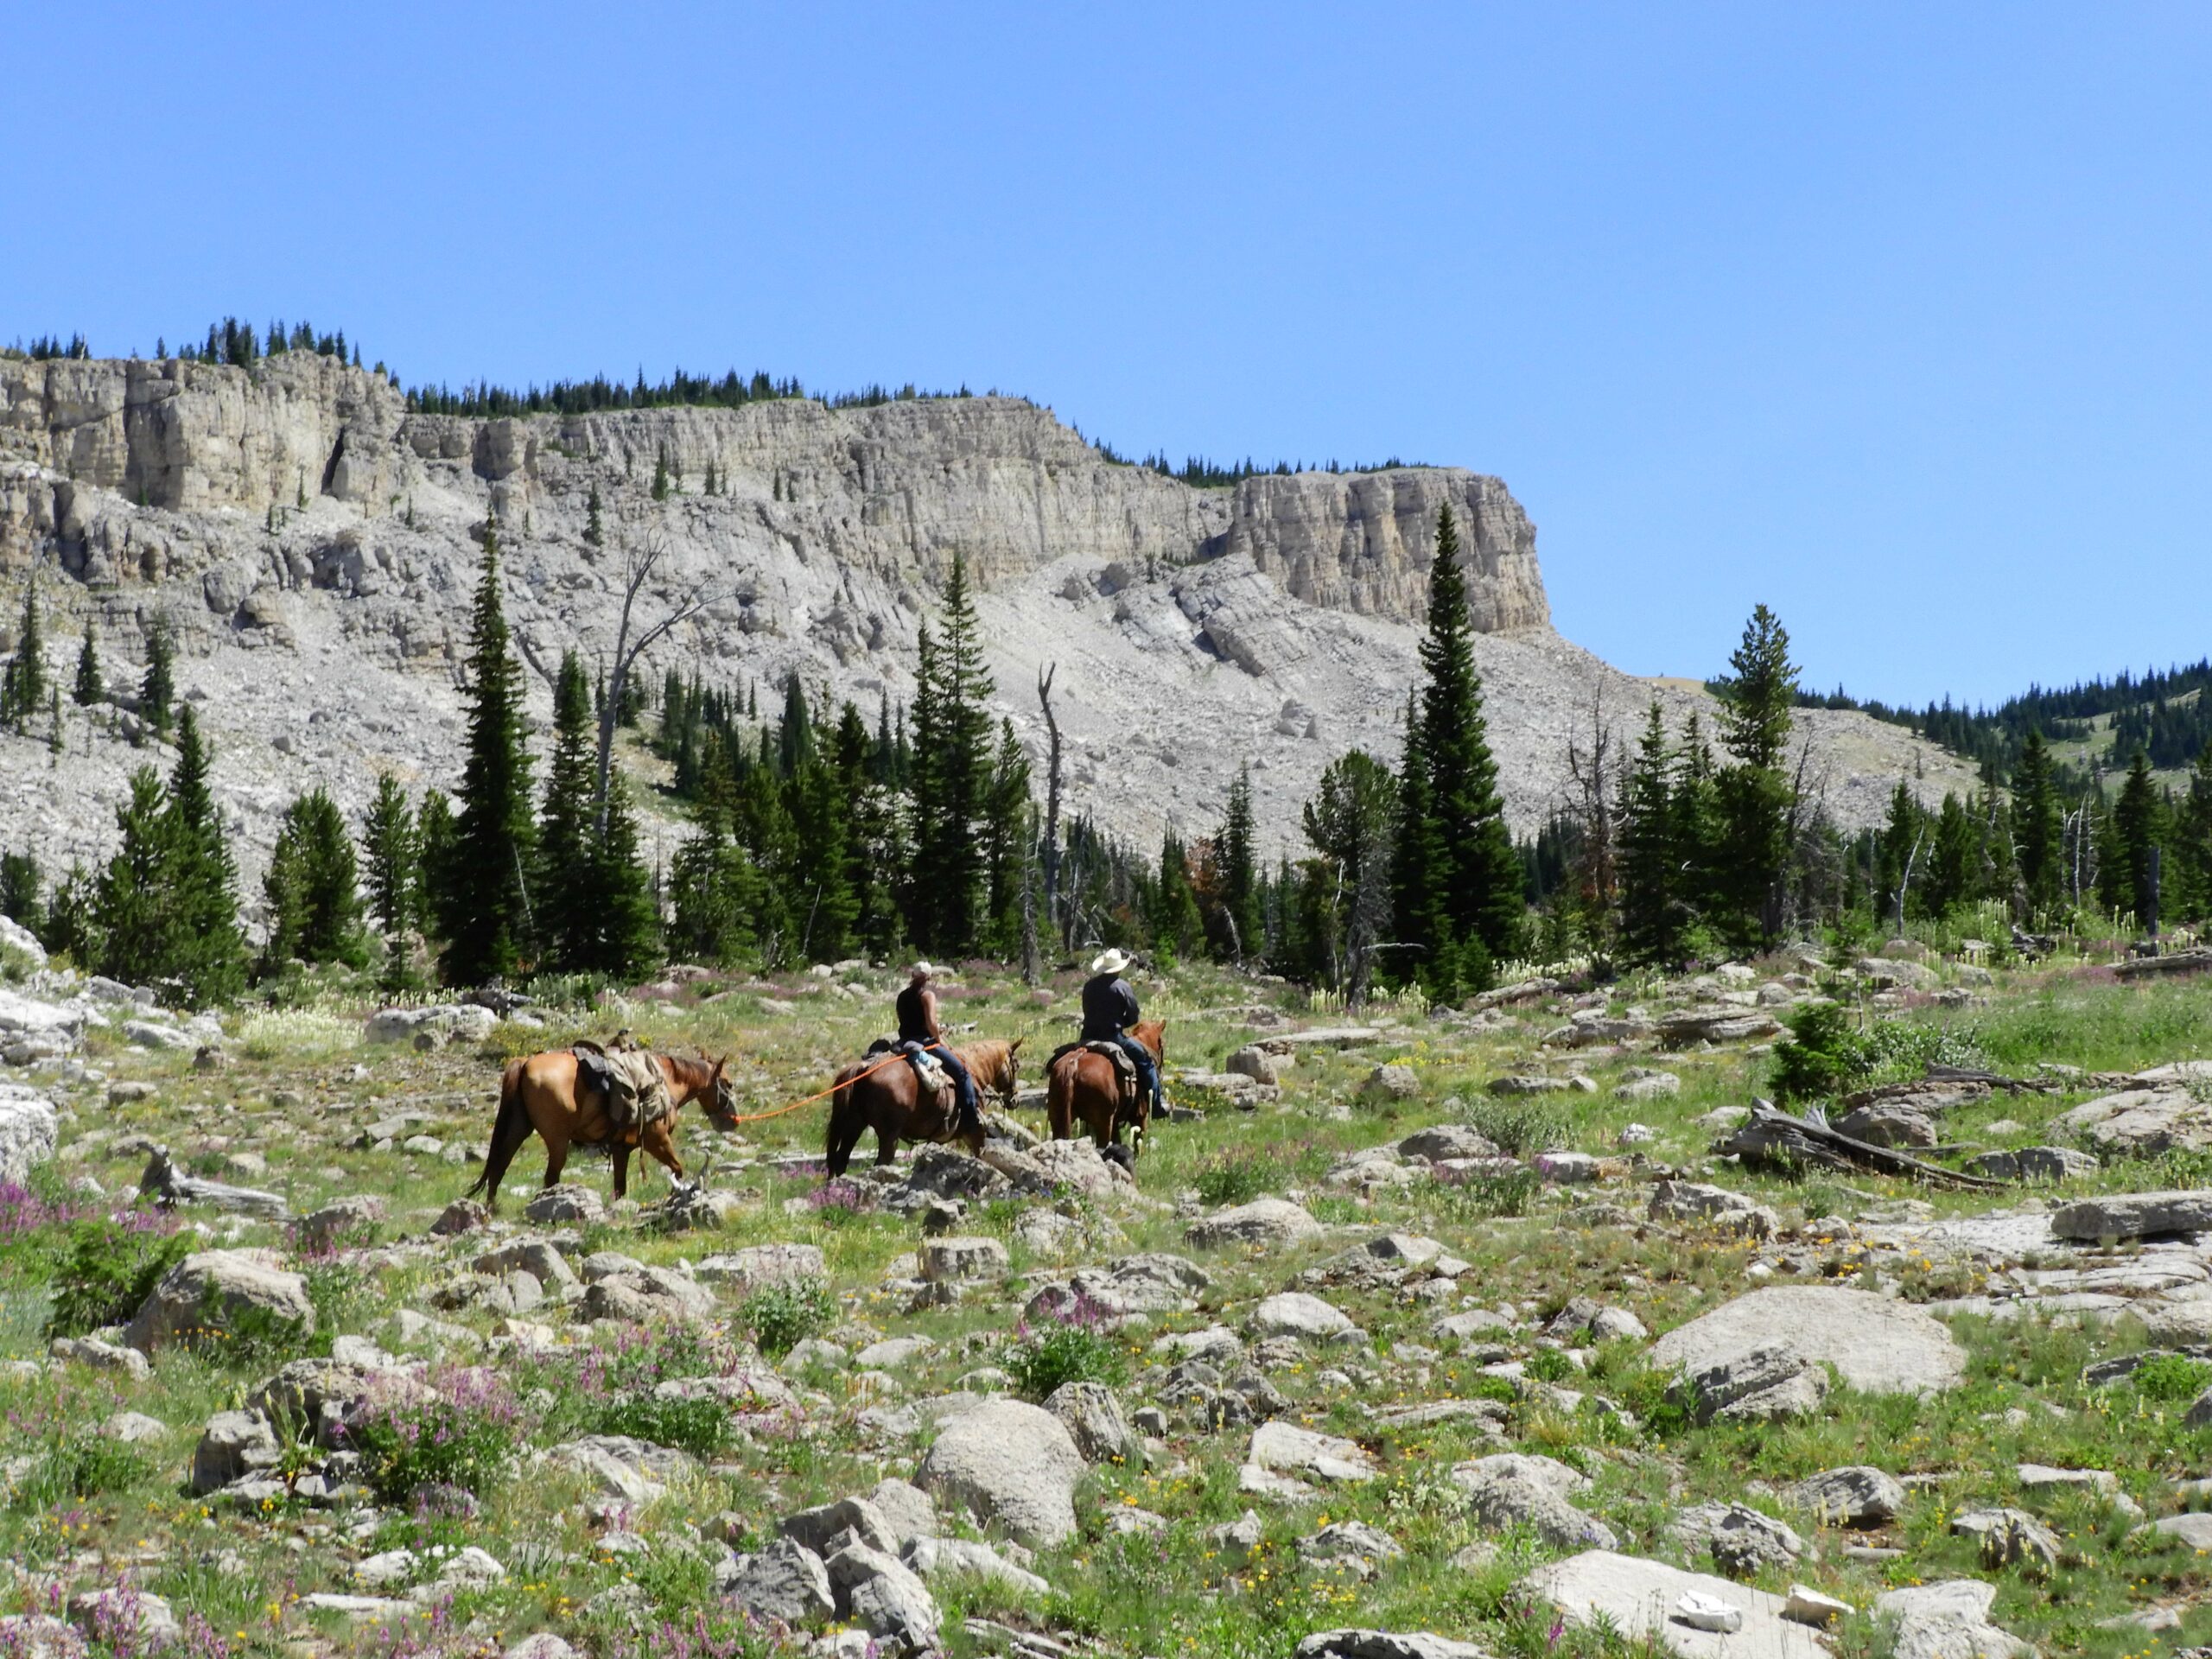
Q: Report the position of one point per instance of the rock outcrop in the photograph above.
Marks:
(314, 543)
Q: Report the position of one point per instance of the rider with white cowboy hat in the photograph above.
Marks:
(1109, 1008)
(918, 1024)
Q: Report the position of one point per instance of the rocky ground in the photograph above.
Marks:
(1435, 1335)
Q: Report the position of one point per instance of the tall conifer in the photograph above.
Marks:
(485, 902)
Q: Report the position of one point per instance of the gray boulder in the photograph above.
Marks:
(1642, 1599)
(817, 1527)
(1008, 1464)
(1384, 1644)
(1713, 1206)
(1856, 1495)
(1768, 1383)
(1513, 1489)
(1876, 1344)
(2134, 1215)
(882, 1594)
(958, 1261)
(1094, 1421)
(759, 1266)
(1949, 1620)
(1295, 1313)
(215, 1295)
(2035, 1164)
(566, 1202)
(1392, 1082)
(1443, 1141)
(235, 1445)
(1153, 1282)
(785, 1581)
(929, 1557)
(124, 1619)
(29, 1130)
(1263, 1221)
(1742, 1541)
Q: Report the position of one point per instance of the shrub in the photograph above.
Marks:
(1520, 1125)
(1469, 1195)
(781, 1317)
(1230, 1177)
(1070, 1346)
(86, 1465)
(110, 1266)
(1822, 1057)
(2171, 1378)
(466, 1433)
(701, 1426)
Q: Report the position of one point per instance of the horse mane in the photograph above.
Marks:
(687, 1074)
(989, 1057)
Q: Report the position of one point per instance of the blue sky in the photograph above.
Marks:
(1892, 317)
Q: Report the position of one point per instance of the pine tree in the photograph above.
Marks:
(19, 897)
(2038, 826)
(1902, 855)
(22, 689)
(951, 775)
(157, 690)
(2193, 843)
(313, 886)
(1480, 905)
(565, 902)
(1008, 835)
(660, 474)
(1240, 874)
(2138, 826)
(1343, 903)
(436, 837)
(595, 530)
(626, 941)
(132, 920)
(1954, 854)
(211, 956)
(89, 688)
(1654, 907)
(485, 908)
(395, 870)
(1173, 913)
(1754, 793)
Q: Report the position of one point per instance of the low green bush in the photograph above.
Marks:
(781, 1317)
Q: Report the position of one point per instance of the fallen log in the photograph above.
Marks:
(167, 1185)
(1775, 1138)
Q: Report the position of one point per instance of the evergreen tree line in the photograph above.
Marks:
(1202, 474)
(681, 390)
(47, 348)
(2165, 712)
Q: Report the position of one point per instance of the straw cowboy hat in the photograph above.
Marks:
(1109, 962)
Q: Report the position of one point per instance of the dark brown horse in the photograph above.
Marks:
(540, 1094)
(886, 1101)
(1085, 1087)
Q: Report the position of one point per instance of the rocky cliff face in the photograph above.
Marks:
(314, 545)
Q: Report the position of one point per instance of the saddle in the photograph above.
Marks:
(632, 1088)
(930, 1078)
(1124, 1067)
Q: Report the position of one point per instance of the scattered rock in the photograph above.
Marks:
(1263, 1221)
(784, 1581)
(1767, 1383)
(1949, 1620)
(565, 1203)
(215, 1295)
(1876, 1344)
(1740, 1539)
(1856, 1495)
(1514, 1489)
(2133, 1215)
(1392, 1082)
(1714, 1206)
(1008, 1464)
(1094, 1421)
(1642, 1601)
(1282, 1448)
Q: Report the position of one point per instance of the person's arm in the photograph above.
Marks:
(1129, 1010)
(929, 1015)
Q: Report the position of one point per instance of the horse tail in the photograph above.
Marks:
(510, 1118)
(838, 1144)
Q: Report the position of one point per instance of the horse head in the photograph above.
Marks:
(1009, 1079)
(720, 1098)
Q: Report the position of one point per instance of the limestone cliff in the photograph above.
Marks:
(313, 544)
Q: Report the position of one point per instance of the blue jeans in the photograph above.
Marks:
(1141, 1056)
(963, 1086)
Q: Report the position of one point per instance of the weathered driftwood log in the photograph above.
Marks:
(1775, 1138)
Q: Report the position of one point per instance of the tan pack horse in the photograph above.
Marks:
(539, 1094)
(887, 1100)
(1086, 1088)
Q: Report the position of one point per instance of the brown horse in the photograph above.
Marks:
(1087, 1086)
(540, 1094)
(885, 1100)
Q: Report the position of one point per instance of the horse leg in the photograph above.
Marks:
(656, 1144)
(619, 1155)
(887, 1137)
(557, 1154)
(507, 1140)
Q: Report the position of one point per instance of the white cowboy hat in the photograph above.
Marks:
(921, 970)
(1109, 962)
